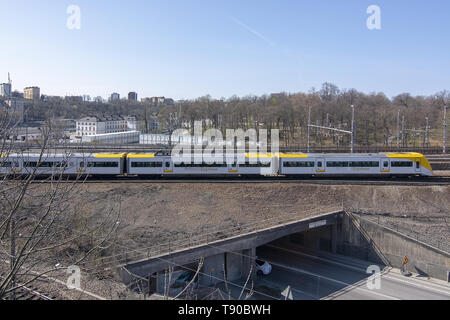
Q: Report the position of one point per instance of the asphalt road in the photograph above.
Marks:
(311, 277)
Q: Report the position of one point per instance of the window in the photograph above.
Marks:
(417, 165)
(103, 164)
(259, 164)
(146, 164)
(30, 164)
(167, 164)
(6, 164)
(319, 164)
(337, 164)
(298, 164)
(402, 164)
(364, 164)
(386, 164)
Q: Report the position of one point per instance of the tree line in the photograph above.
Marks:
(376, 115)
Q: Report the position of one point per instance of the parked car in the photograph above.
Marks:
(184, 279)
(263, 268)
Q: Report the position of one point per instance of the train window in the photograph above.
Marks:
(259, 164)
(6, 164)
(81, 164)
(30, 164)
(103, 164)
(386, 164)
(402, 164)
(337, 164)
(418, 165)
(167, 164)
(297, 164)
(365, 164)
(319, 164)
(146, 164)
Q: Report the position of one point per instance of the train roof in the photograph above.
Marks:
(382, 154)
(65, 155)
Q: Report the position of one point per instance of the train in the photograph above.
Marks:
(163, 164)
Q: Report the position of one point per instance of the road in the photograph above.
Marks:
(311, 277)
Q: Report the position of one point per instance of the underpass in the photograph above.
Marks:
(304, 257)
(314, 275)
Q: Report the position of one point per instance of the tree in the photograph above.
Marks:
(41, 232)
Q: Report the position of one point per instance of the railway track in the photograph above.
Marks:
(355, 181)
(27, 293)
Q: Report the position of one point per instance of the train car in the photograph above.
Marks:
(381, 164)
(145, 164)
(65, 164)
(166, 165)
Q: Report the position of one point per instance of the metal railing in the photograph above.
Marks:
(190, 241)
(440, 244)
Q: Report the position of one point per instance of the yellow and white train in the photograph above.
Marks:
(157, 164)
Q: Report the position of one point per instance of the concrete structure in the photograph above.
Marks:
(73, 99)
(369, 241)
(163, 139)
(16, 106)
(236, 253)
(95, 125)
(111, 138)
(132, 96)
(135, 124)
(156, 101)
(114, 97)
(334, 232)
(32, 93)
(27, 134)
(5, 89)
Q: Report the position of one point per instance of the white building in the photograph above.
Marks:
(91, 126)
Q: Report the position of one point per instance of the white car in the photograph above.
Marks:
(263, 268)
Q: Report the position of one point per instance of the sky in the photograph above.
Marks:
(185, 49)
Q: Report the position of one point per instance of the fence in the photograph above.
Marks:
(442, 243)
(191, 241)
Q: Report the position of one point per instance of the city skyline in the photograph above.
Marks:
(190, 49)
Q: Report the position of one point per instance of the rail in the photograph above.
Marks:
(420, 237)
(28, 291)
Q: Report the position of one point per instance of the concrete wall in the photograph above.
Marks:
(213, 270)
(423, 259)
(245, 243)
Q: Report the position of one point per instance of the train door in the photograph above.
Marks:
(81, 165)
(232, 167)
(168, 166)
(385, 165)
(320, 165)
(417, 166)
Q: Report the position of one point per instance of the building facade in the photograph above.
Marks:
(94, 125)
(114, 97)
(32, 93)
(132, 96)
(5, 89)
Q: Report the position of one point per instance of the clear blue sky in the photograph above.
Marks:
(189, 48)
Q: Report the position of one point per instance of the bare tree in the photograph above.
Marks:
(41, 230)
